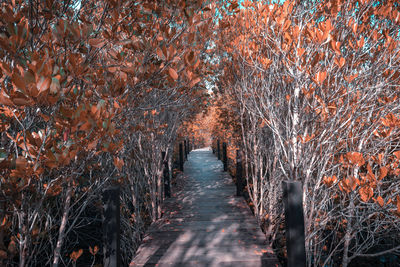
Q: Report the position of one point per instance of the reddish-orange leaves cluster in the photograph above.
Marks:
(76, 254)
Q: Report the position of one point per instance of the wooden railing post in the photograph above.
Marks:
(186, 151)
(111, 227)
(225, 157)
(239, 174)
(218, 151)
(167, 183)
(294, 220)
(181, 157)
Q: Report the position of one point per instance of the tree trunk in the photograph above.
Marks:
(23, 229)
(349, 231)
(61, 232)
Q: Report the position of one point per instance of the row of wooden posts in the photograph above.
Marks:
(184, 149)
(111, 211)
(293, 205)
(292, 197)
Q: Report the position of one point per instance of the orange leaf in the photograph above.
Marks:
(300, 51)
(354, 28)
(380, 157)
(4, 221)
(96, 42)
(6, 68)
(43, 84)
(119, 163)
(55, 85)
(366, 193)
(356, 158)
(380, 201)
(173, 73)
(5, 99)
(348, 184)
(160, 53)
(336, 46)
(397, 154)
(351, 78)
(398, 204)
(189, 58)
(329, 180)
(76, 254)
(18, 81)
(93, 144)
(320, 77)
(383, 172)
(340, 62)
(194, 82)
(369, 169)
(86, 126)
(360, 42)
(21, 101)
(112, 69)
(93, 250)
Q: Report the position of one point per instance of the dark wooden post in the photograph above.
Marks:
(181, 156)
(111, 227)
(167, 183)
(239, 174)
(213, 148)
(218, 150)
(225, 157)
(186, 152)
(294, 220)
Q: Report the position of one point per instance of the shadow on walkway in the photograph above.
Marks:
(205, 224)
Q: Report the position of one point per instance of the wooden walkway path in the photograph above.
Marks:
(206, 224)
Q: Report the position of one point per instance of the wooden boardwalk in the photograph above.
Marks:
(206, 224)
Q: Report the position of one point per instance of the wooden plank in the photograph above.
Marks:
(184, 239)
(265, 261)
(205, 224)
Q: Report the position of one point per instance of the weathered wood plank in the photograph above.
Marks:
(205, 224)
